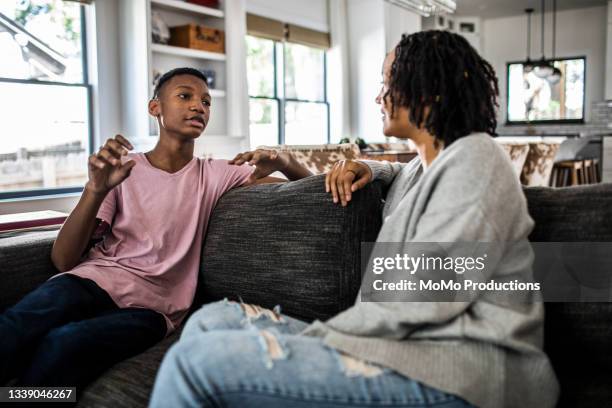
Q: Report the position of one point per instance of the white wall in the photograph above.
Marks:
(367, 51)
(580, 32)
(397, 22)
(310, 14)
(374, 28)
(608, 93)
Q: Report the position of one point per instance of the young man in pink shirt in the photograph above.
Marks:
(126, 293)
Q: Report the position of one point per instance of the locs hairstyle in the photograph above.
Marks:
(174, 72)
(441, 71)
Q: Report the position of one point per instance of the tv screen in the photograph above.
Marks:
(533, 98)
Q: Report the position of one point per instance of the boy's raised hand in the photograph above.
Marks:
(265, 161)
(346, 177)
(105, 168)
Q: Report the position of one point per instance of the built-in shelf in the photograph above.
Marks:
(182, 6)
(187, 52)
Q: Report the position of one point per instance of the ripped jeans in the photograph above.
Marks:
(238, 355)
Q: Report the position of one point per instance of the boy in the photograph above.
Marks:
(138, 284)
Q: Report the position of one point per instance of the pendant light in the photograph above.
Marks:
(542, 68)
(555, 77)
(528, 65)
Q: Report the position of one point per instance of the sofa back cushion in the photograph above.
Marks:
(288, 244)
(578, 336)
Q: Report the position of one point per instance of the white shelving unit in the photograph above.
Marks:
(175, 5)
(142, 60)
(187, 52)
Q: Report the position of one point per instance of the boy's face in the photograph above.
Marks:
(182, 106)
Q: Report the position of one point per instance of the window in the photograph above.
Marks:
(542, 100)
(287, 93)
(45, 109)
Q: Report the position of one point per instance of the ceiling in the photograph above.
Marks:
(503, 8)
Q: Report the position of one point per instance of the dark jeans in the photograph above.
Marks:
(68, 331)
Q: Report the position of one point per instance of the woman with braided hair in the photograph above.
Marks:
(482, 351)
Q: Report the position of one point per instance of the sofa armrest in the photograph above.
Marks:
(25, 263)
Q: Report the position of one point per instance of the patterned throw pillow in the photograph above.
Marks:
(319, 158)
(518, 155)
(539, 164)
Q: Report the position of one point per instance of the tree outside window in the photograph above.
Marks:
(287, 93)
(45, 98)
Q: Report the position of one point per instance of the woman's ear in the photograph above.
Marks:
(154, 108)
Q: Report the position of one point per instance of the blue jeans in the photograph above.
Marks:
(234, 355)
(68, 331)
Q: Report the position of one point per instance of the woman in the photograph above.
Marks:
(439, 93)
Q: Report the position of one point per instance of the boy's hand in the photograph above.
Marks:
(105, 168)
(265, 161)
(346, 177)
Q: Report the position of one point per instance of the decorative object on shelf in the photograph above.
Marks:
(205, 3)
(358, 141)
(159, 29)
(361, 143)
(210, 75)
(198, 37)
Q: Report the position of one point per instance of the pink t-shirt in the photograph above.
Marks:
(150, 257)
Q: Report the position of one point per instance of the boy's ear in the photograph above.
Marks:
(154, 108)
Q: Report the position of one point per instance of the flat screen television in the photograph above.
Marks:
(532, 99)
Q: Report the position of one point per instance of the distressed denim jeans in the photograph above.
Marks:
(237, 355)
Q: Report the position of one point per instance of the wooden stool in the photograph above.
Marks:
(591, 170)
(568, 173)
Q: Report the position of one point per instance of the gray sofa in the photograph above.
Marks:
(288, 244)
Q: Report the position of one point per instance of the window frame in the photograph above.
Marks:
(547, 121)
(59, 191)
(281, 101)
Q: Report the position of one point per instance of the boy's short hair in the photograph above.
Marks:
(174, 72)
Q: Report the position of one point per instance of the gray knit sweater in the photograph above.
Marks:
(487, 353)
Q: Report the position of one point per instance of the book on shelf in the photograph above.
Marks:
(31, 220)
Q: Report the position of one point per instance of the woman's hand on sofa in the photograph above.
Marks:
(346, 177)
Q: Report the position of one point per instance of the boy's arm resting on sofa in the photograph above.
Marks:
(267, 162)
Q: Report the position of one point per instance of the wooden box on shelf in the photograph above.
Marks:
(198, 37)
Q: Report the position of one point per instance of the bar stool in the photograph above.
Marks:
(575, 172)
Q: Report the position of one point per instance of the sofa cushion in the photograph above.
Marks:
(26, 263)
(578, 336)
(571, 214)
(288, 244)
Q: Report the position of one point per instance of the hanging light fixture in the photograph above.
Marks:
(427, 8)
(555, 77)
(542, 68)
(528, 65)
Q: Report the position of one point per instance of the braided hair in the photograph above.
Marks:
(447, 87)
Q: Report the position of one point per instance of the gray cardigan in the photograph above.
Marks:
(485, 352)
